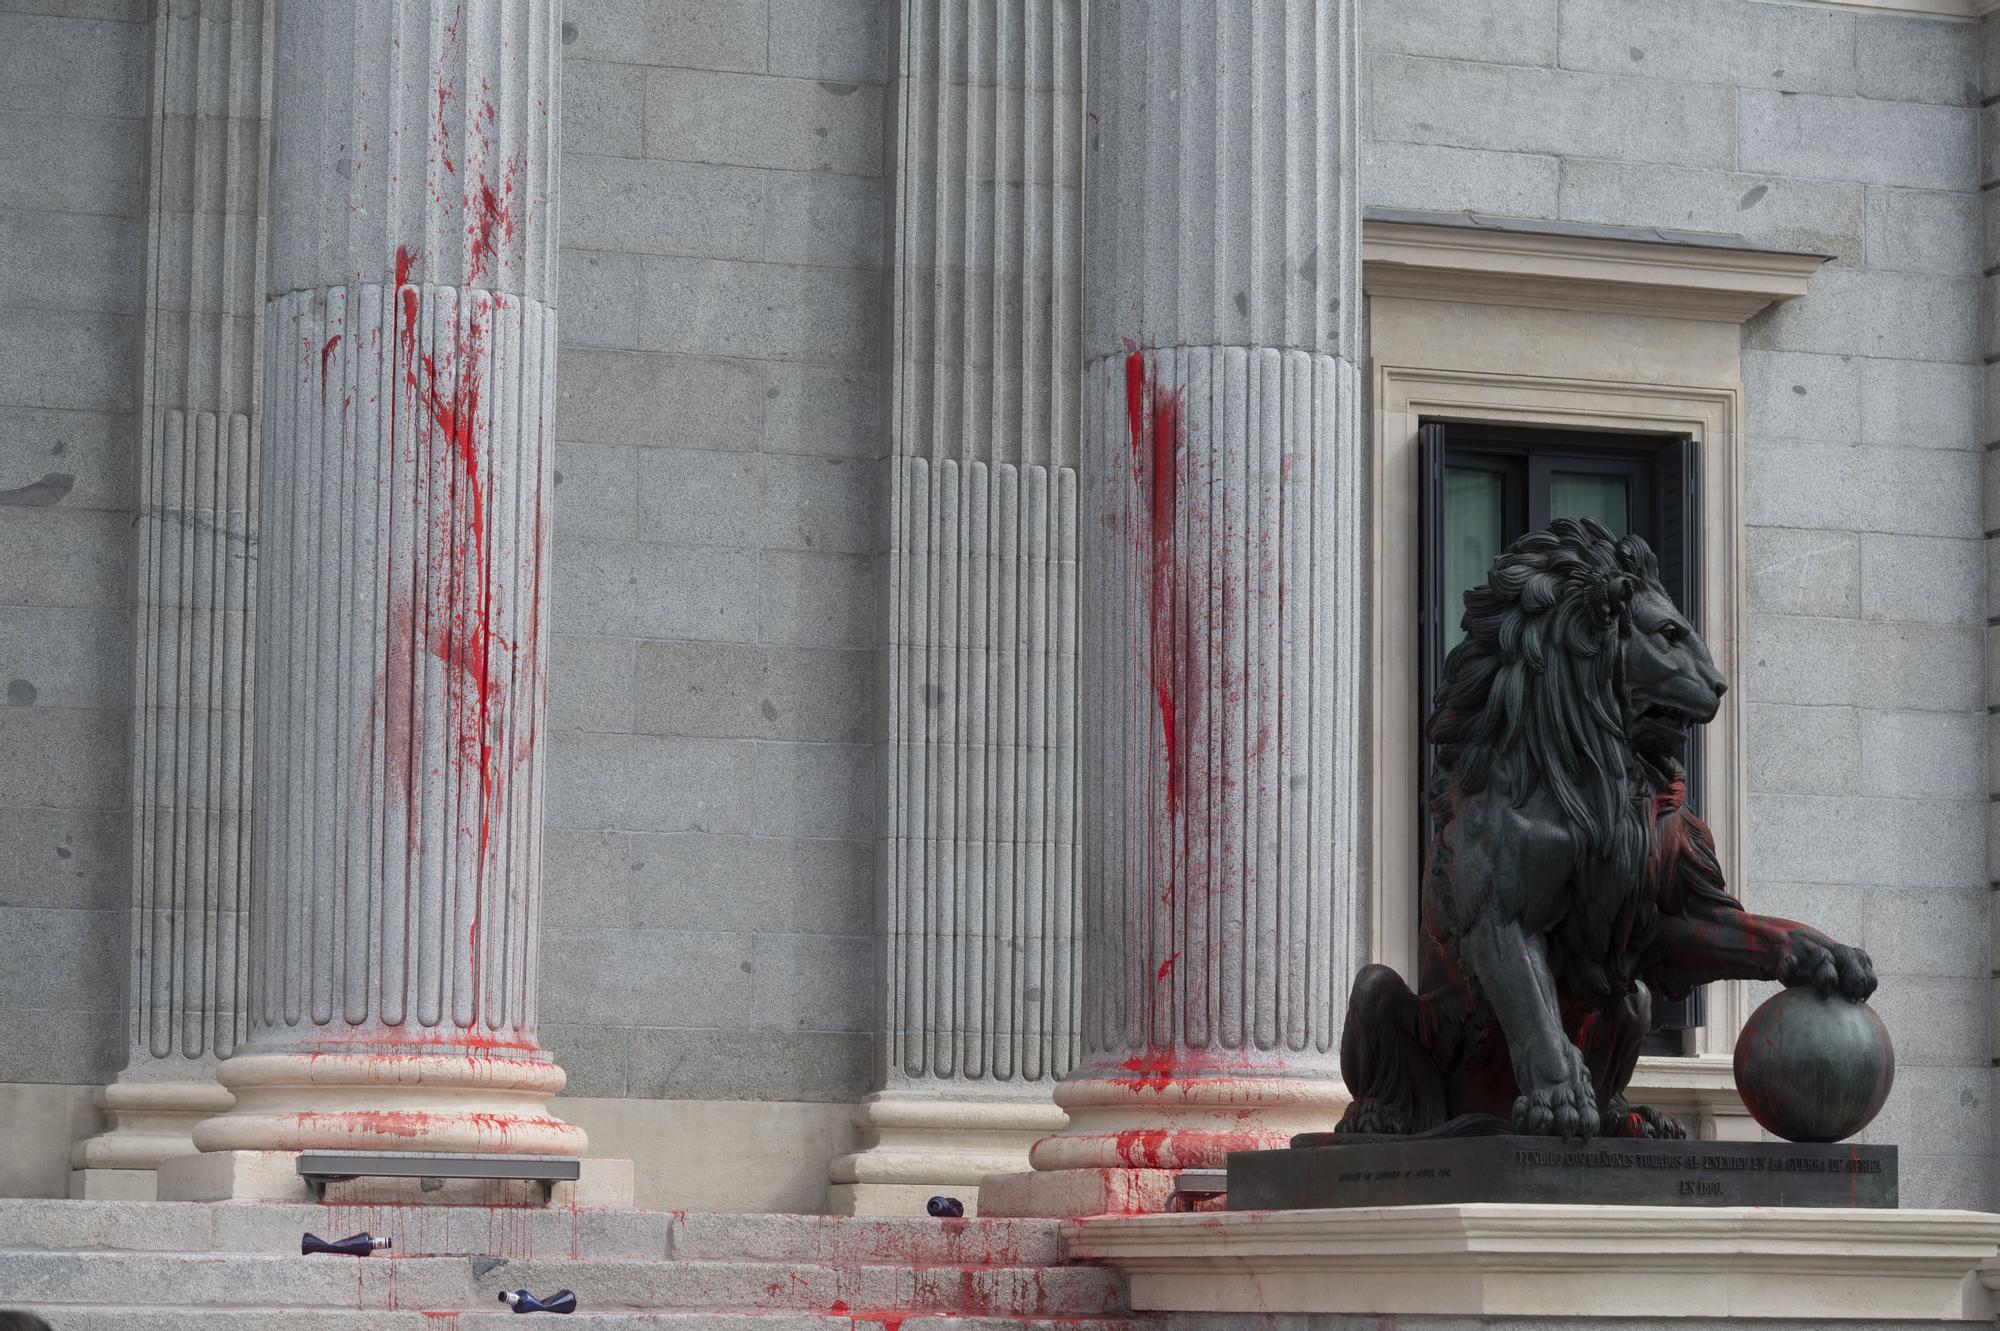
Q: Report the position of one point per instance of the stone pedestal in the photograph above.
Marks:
(1222, 639)
(409, 363)
(1655, 1265)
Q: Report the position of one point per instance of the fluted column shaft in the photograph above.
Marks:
(194, 646)
(1222, 546)
(410, 338)
(979, 1013)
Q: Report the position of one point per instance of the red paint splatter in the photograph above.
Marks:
(1167, 968)
(1140, 1147)
(488, 219)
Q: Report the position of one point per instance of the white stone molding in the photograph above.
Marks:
(1223, 635)
(981, 969)
(1661, 1263)
(1478, 260)
(194, 633)
(410, 337)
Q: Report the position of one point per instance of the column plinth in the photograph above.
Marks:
(1222, 639)
(409, 369)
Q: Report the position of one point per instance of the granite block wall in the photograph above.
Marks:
(709, 923)
(1857, 136)
(72, 189)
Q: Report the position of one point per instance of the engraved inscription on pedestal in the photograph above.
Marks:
(1549, 1169)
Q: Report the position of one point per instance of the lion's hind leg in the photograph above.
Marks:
(1395, 1079)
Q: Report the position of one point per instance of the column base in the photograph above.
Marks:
(273, 1176)
(1168, 1117)
(151, 1121)
(913, 1149)
(1070, 1194)
(390, 1102)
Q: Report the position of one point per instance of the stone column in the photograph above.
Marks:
(980, 1017)
(194, 635)
(409, 387)
(1989, 311)
(1222, 619)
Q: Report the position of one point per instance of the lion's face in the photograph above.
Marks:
(1671, 683)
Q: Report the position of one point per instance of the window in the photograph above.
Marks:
(1484, 486)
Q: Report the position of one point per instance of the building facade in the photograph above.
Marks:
(824, 383)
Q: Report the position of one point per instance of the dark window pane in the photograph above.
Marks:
(1474, 514)
(1585, 494)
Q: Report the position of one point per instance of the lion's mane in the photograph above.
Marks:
(1533, 698)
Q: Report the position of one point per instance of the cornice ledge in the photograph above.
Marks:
(1949, 10)
(1681, 275)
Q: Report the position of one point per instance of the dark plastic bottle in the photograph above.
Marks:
(946, 1208)
(354, 1245)
(523, 1302)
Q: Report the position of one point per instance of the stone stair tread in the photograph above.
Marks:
(150, 1317)
(512, 1231)
(751, 1286)
(156, 1317)
(235, 1280)
(888, 1238)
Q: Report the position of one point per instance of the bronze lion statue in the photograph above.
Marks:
(1566, 883)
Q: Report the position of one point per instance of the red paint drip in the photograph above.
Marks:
(325, 364)
(1156, 465)
(1167, 968)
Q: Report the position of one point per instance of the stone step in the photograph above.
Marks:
(237, 1280)
(527, 1232)
(75, 1317)
(389, 1283)
(839, 1239)
(275, 1227)
(130, 1317)
(699, 1283)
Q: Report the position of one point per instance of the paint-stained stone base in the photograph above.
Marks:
(273, 1176)
(1063, 1194)
(698, 1155)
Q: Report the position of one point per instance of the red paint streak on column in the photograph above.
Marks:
(1167, 967)
(446, 384)
(1156, 464)
(325, 364)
